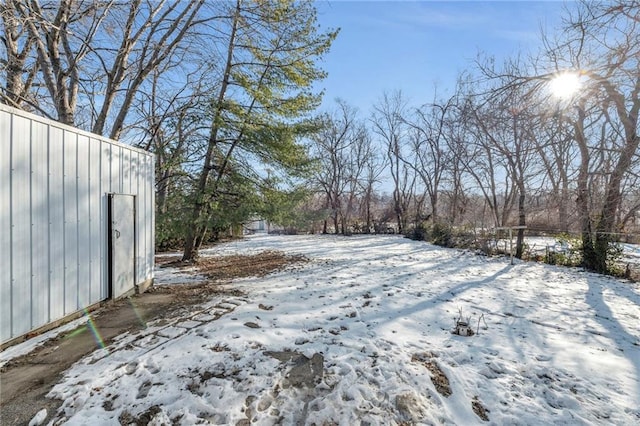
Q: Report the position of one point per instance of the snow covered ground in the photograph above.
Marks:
(373, 318)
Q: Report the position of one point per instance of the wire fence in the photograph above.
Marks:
(565, 248)
(543, 245)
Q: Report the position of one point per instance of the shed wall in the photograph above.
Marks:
(53, 218)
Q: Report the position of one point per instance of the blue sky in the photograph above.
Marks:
(415, 45)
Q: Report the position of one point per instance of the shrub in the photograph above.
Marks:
(442, 235)
(566, 252)
(614, 254)
(418, 233)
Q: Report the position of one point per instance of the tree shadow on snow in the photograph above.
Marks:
(446, 296)
(628, 343)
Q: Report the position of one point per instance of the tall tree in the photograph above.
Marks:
(264, 87)
(61, 35)
(374, 166)
(19, 66)
(151, 34)
(388, 122)
(92, 57)
(342, 148)
(557, 153)
(486, 165)
(601, 44)
(429, 148)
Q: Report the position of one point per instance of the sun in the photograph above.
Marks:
(565, 85)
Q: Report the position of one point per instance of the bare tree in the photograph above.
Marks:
(375, 164)
(388, 123)
(347, 168)
(19, 66)
(601, 42)
(61, 35)
(429, 149)
(169, 124)
(558, 154)
(484, 163)
(359, 163)
(146, 44)
(72, 46)
(332, 147)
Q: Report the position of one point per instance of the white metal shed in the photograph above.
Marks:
(76, 221)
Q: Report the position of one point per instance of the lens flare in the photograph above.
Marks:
(94, 330)
(565, 85)
(143, 323)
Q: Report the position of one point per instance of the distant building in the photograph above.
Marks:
(262, 226)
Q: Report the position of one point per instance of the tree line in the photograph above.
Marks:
(219, 91)
(223, 94)
(513, 145)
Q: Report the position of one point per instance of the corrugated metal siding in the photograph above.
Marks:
(56, 224)
(70, 233)
(20, 225)
(40, 221)
(84, 222)
(5, 227)
(53, 218)
(146, 236)
(95, 222)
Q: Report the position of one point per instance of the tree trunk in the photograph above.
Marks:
(196, 225)
(606, 222)
(368, 211)
(16, 89)
(398, 210)
(434, 207)
(563, 215)
(521, 222)
(589, 255)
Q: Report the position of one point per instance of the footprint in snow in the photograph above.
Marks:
(143, 390)
(131, 367)
(543, 358)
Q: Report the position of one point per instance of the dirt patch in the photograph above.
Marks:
(143, 419)
(225, 268)
(222, 270)
(27, 379)
(438, 378)
(441, 382)
(479, 409)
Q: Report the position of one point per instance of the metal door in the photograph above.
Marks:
(122, 244)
